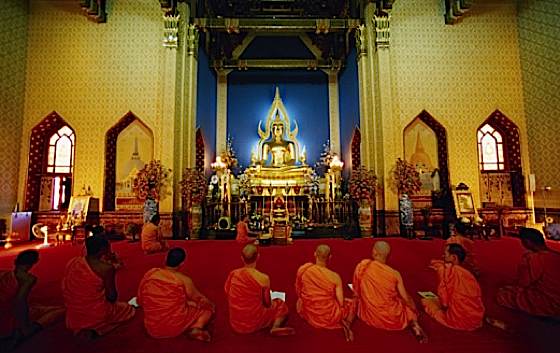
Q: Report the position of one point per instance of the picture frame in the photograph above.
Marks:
(464, 204)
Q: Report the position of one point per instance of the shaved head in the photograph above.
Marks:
(323, 252)
(381, 250)
(249, 253)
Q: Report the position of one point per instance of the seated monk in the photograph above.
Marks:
(459, 305)
(243, 232)
(383, 301)
(90, 294)
(537, 289)
(19, 319)
(250, 305)
(320, 295)
(458, 237)
(171, 302)
(151, 238)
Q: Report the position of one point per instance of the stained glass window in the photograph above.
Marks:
(490, 149)
(60, 160)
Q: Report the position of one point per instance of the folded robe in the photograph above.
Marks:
(41, 314)
(86, 305)
(380, 304)
(151, 239)
(247, 312)
(459, 305)
(317, 302)
(163, 296)
(537, 291)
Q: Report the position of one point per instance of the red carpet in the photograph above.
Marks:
(208, 262)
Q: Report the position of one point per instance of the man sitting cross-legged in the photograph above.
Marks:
(383, 301)
(90, 294)
(19, 319)
(172, 304)
(250, 305)
(321, 300)
(459, 305)
(537, 289)
(151, 238)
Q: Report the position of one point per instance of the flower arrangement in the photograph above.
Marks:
(193, 187)
(152, 181)
(362, 184)
(406, 178)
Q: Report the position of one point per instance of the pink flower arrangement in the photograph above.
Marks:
(406, 178)
(362, 184)
(152, 181)
(193, 187)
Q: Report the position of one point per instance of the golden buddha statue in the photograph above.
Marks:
(278, 152)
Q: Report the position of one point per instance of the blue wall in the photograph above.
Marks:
(206, 105)
(349, 105)
(304, 93)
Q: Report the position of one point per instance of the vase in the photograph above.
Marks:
(195, 221)
(365, 218)
(406, 216)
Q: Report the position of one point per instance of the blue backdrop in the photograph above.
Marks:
(304, 93)
(206, 105)
(349, 104)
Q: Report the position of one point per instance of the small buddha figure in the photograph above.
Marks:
(279, 151)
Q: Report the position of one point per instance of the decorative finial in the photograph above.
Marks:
(277, 94)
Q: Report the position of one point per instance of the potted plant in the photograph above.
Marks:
(193, 191)
(151, 184)
(362, 186)
(406, 180)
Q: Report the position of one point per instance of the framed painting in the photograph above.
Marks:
(464, 204)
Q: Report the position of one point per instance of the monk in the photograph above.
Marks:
(459, 305)
(250, 306)
(383, 301)
(172, 304)
(90, 294)
(151, 238)
(20, 319)
(458, 237)
(320, 295)
(537, 289)
(243, 233)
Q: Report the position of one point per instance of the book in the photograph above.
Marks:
(278, 295)
(427, 295)
(350, 286)
(134, 302)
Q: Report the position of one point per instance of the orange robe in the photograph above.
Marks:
(537, 291)
(470, 262)
(380, 304)
(151, 239)
(317, 302)
(247, 312)
(242, 233)
(162, 294)
(459, 305)
(43, 315)
(86, 305)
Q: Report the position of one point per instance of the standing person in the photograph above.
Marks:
(320, 295)
(151, 238)
(383, 301)
(90, 293)
(172, 304)
(250, 305)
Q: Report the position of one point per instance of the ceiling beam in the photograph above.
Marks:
(277, 25)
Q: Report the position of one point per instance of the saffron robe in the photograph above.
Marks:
(163, 296)
(317, 302)
(470, 262)
(537, 291)
(459, 305)
(379, 302)
(242, 236)
(151, 239)
(247, 312)
(86, 305)
(41, 314)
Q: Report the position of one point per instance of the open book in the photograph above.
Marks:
(134, 302)
(428, 295)
(278, 295)
(350, 286)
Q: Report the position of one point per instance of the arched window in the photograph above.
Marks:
(490, 149)
(59, 166)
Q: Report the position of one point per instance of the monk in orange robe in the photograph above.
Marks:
(458, 237)
(172, 304)
(90, 294)
(250, 305)
(243, 235)
(383, 301)
(459, 305)
(20, 319)
(320, 295)
(537, 290)
(151, 238)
